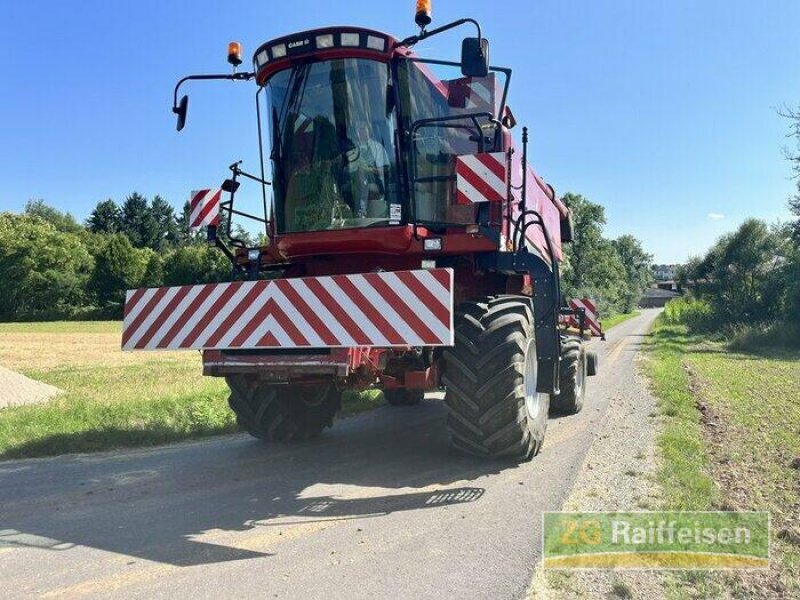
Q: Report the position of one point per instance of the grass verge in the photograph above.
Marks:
(685, 471)
(731, 443)
(112, 399)
(619, 318)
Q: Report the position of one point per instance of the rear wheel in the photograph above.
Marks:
(490, 374)
(572, 378)
(403, 397)
(282, 413)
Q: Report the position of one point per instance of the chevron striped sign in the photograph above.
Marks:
(204, 208)
(473, 94)
(481, 177)
(387, 309)
(592, 320)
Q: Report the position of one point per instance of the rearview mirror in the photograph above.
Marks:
(475, 57)
(180, 110)
(230, 186)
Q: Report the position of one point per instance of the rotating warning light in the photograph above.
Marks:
(235, 53)
(423, 16)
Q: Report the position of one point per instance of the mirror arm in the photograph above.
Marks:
(424, 34)
(229, 76)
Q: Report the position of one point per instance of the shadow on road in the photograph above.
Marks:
(169, 505)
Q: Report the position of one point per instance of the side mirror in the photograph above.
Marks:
(230, 186)
(475, 57)
(180, 110)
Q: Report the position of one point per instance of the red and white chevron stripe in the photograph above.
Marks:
(388, 309)
(204, 208)
(474, 94)
(592, 321)
(481, 177)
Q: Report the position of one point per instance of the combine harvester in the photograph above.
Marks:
(409, 247)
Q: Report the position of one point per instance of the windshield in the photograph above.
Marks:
(436, 92)
(333, 154)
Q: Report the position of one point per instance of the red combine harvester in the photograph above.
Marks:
(409, 246)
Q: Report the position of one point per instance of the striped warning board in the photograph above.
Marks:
(481, 177)
(592, 320)
(204, 208)
(473, 94)
(389, 309)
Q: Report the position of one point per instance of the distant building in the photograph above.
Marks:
(664, 272)
(655, 297)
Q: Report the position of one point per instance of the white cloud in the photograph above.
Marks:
(715, 216)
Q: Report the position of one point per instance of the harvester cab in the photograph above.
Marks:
(408, 246)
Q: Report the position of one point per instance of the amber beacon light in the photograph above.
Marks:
(235, 53)
(423, 15)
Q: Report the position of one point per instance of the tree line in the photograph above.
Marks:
(54, 267)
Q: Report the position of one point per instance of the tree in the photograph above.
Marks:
(744, 261)
(44, 270)
(138, 222)
(118, 267)
(636, 263)
(153, 272)
(62, 221)
(592, 265)
(167, 226)
(588, 219)
(793, 116)
(105, 218)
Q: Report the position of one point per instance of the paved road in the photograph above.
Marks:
(378, 507)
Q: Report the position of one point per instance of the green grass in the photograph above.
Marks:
(112, 399)
(619, 318)
(151, 406)
(737, 453)
(685, 471)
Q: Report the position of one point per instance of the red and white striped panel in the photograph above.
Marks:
(481, 177)
(474, 94)
(592, 321)
(401, 308)
(204, 208)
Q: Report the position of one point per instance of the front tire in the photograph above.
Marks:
(282, 413)
(490, 375)
(572, 378)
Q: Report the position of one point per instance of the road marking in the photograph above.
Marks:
(111, 583)
(617, 350)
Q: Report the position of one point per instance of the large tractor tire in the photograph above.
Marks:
(403, 397)
(490, 376)
(282, 413)
(572, 378)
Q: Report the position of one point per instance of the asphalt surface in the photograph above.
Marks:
(379, 507)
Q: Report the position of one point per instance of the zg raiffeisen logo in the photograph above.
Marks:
(656, 540)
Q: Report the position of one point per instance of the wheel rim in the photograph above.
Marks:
(580, 376)
(533, 399)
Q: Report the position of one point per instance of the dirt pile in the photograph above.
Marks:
(16, 390)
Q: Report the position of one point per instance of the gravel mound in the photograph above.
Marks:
(16, 390)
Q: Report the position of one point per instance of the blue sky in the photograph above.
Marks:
(664, 112)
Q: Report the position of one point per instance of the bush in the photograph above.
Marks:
(196, 264)
(763, 336)
(698, 315)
